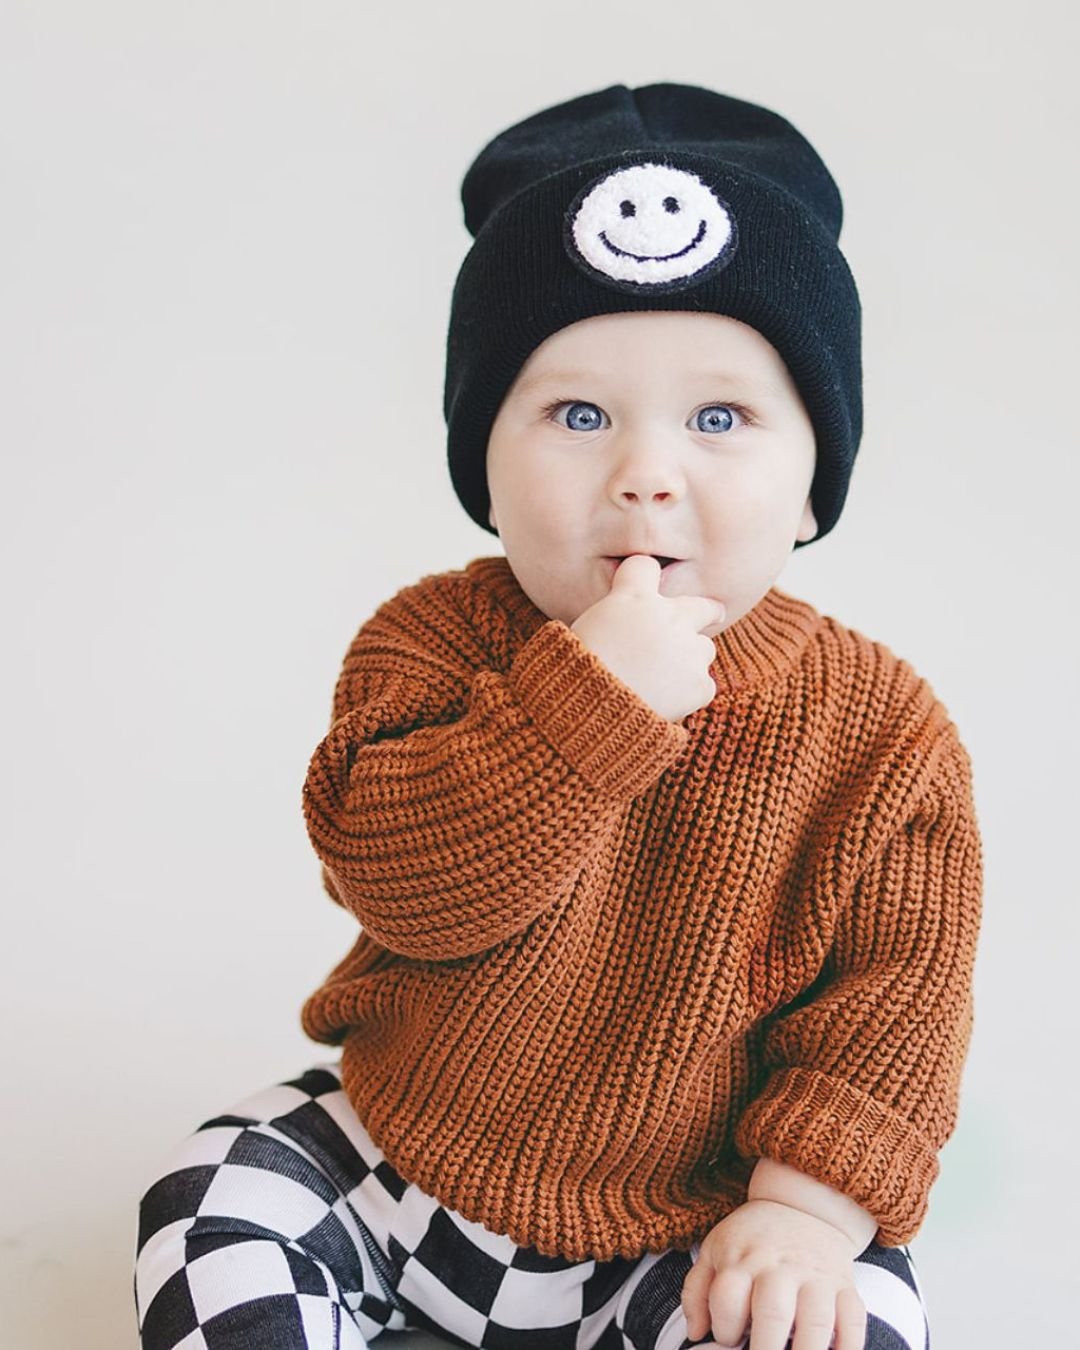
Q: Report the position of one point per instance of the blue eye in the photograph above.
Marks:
(582, 416)
(717, 417)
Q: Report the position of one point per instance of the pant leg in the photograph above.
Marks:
(247, 1239)
(281, 1225)
(889, 1286)
(459, 1280)
(649, 1313)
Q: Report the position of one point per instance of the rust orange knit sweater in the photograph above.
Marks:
(607, 961)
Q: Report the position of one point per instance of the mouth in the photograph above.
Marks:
(662, 559)
(654, 257)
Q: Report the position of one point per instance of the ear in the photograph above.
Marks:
(808, 524)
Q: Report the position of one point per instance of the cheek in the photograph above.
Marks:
(512, 472)
(737, 509)
(523, 504)
(749, 531)
(769, 503)
(533, 499)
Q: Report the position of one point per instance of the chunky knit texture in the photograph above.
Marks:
(607, 961)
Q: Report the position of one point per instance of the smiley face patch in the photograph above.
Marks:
(649, 226)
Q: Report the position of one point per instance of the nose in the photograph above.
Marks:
(646, 475)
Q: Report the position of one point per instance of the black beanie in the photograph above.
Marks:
(666, 197)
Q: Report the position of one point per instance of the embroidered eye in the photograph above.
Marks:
(717, 417)
(627, 208)
(671, 206)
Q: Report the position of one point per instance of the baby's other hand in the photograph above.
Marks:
(772, 1267)
(654, 643)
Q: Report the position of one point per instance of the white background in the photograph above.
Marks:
(228, 237)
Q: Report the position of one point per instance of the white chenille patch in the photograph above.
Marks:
(651, 225)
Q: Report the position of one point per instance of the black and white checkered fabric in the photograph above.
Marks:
(280, 1224)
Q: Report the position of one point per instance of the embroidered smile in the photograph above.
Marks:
(647, 257)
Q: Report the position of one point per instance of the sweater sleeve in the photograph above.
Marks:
(452, 802)
(864, 1076)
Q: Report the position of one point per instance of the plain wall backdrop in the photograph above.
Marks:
(228, 238)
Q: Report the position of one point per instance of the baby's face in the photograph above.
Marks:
(672, 433)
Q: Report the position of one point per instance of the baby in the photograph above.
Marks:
(668, 885)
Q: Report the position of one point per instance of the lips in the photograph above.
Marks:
(661, 558)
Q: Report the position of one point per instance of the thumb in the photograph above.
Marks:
(639, 574)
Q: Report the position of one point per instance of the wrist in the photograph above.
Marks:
(788, 1186)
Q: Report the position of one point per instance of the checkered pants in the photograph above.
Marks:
(281, 1225)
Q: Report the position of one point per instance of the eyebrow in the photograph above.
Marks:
(570, 377)
(554, 377)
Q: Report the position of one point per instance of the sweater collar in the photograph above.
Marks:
(757, 650)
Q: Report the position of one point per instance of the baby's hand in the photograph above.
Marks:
(775, 1267)
(652, 642)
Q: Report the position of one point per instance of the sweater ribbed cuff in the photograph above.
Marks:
(599, 725)
(837, 1134)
